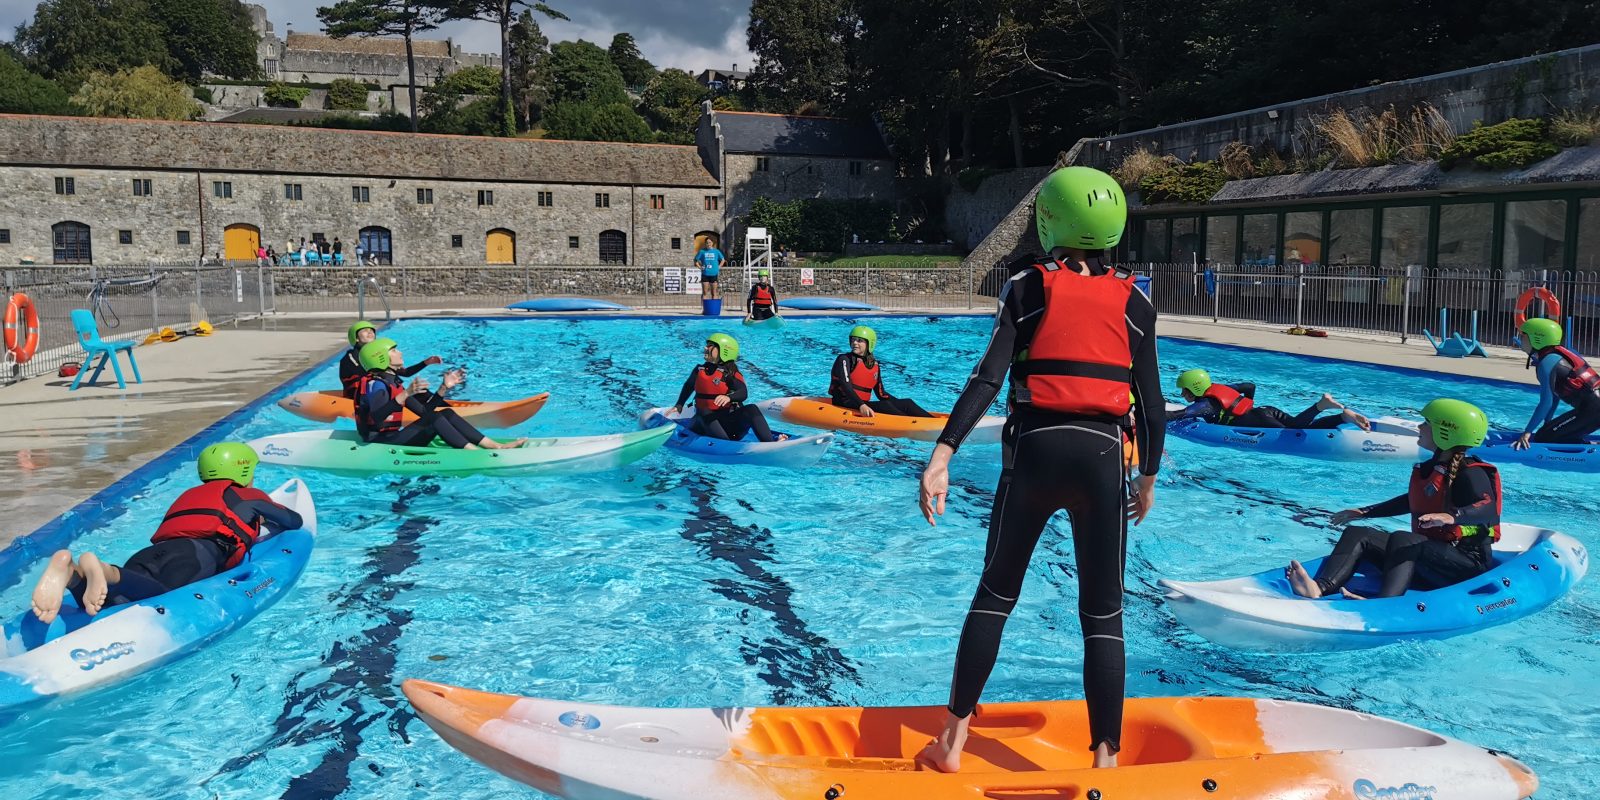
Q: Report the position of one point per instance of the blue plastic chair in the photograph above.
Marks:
(89, 337)
(338, 259)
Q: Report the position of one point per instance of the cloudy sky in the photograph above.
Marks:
(688, 34)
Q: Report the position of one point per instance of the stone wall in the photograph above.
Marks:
(970, 216)
(892, 249)
(322, 66)
(798, 177)
(230, 97)
(421, 233)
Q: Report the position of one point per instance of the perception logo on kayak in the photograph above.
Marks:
(274, 450)
(1367, 790)
(583, 722)
(1369, 446)
(89, 659)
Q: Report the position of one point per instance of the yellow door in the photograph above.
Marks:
(501, 246)
(239, 242)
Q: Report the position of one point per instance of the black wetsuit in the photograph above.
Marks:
(733, 420)
(1054, 461)
(350, 371)
(171, 563)
(761, 312)
(435, 417)
(1411, 559)
(1573, 426)
(1259, 416)
(839, 389)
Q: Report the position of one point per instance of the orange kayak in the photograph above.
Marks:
(1192, 748)
(329, 406)
(820, 412)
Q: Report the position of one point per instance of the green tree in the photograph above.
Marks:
(140, 93)
(624, 52)
(403, 18)
(801, 49)
(476, 79)
(207, 37)
(480, 117)
(503, 13)
(672, 103)
(23, 92)
(581, 72)
(68, 39)
(529, 49)
(347, 95)
(587, 122)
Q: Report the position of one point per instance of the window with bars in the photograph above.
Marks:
(360, 194)
(71, 243)
(293, 191)
(677, 244)
(223, 189)
(763, 164)
(572, 242)
(713, 202)
(602, 200)
(455, 240)
(141, 187)
(183, 237)
(124, 237)
(424, 197)
(613, 247)
(855, 168)
(658, 201)
(547, 199)
(485, 197)
(5, 236)
(65, 186)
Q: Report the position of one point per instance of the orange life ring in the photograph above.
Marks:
(20, 309)
(1552, 307)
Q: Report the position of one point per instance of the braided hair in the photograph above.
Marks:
(1458, 456)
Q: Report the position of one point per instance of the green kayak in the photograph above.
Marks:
(343, 452)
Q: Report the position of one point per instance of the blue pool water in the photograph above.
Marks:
(678, 583)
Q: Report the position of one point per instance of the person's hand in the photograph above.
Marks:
(1141, 499)
(865, 410)
(1522, 442)
(1346, 516)
(935, 485)
(419, 385)
(721, 400)
(674, 410)
(433, 360)
(451, 380)
(1436, 520)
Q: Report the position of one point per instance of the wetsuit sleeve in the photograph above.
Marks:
(1247, 389)
(253, 504)
(688, 388)
(1203, 408)
(1473, 495)
(1547, 395)
(1149, 406)
(413, 369)
(349, 370)
(1393, 507)
(984, 384)
(738, 392)
(750, 300)
(839, 383)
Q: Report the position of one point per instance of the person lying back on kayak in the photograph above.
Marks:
(1563, 376)
(719, 394)
(208, 530)
(1222, 404)
(856, 377)
(350, 371)
(763, 300)
(382, 400)
(1454, 502)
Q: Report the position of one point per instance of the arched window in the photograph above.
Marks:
(376, 243)
(613, 247)
(72, 243)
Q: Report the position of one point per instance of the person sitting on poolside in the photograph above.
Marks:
(763, 300)
(719, 394)
(350, 371)
(208, 530)
(856, 377)
(1563, 376)
(1235, 405)
(382, 400)
(1454, 502)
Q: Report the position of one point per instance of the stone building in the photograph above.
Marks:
(111, 191)
(381, 60)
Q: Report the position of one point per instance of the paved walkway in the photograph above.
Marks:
(68, 445)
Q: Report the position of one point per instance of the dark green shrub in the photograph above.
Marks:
(1511, 144)
(1188, 183)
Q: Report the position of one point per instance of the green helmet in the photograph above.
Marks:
(1080, 207)
(866, 333)
(764, 273)
(1455, 423)
(727, 346)
(1541, 332)
(234, 461)
(360, 326)
(375, 354)
(1197, 381)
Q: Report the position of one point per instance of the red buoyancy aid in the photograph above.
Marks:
(391, 423)
(708, 387)
(1427, 495)
(763, 294)
(1232, 402)
(202, 513)
(1582, 378)
(1080, 361)
(864, 379)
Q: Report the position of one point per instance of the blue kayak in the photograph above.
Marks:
(77, 652)
(773, 322)
(825, 304)
(796, 452)
(1570, 457)
(1533, 568)
(568, 304)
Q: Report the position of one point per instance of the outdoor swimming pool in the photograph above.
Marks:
(678, 583)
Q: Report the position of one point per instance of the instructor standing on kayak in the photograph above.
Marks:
(1068, 329)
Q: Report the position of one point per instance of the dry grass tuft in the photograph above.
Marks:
(1141, 164)
(1575, 127)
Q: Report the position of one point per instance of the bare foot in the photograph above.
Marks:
(1359, 421)
(1327, 403)
(783, 437)
(1104, 758)
(514, 443)
(94, 574)
(1301, 581)
(943, 754)
(470, 446)
(47, 595)
(1349, 595)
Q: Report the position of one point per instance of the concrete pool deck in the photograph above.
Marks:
(66, 446)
